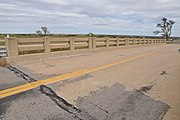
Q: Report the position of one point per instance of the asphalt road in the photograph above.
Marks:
(126, 84)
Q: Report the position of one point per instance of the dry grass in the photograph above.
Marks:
(3, 62)
(2, 42)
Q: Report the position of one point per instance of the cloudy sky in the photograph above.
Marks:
(135, 17)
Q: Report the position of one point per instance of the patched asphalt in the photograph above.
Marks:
(115, 103)
(112, 103)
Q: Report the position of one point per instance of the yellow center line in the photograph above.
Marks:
(29, 86)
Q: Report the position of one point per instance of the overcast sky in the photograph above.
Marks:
(130, 17)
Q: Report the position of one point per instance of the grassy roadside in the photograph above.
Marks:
(73, 35)
(2, 42)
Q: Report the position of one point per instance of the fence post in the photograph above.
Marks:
(94, 42)
(117, 41)
(107, 41)
(90, 42)
(72, 46)
(11, 46)
(47, 45)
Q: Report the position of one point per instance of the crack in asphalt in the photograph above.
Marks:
(70, 108)
(98, 107)
(146, 89)
(21, 74)
(62, 103)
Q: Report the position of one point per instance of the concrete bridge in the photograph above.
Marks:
(132, 81)
(20, 48)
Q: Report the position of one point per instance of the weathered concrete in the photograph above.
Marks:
(108, 104)
(18, 46)
(115, 103)
(156, 75)
(11, 46)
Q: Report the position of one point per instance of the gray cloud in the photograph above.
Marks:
(81, 16)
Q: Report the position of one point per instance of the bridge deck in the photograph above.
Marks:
(153, 70)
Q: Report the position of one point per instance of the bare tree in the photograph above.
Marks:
(166, 27)
(90, 34)
(45, 30)
(38, 32)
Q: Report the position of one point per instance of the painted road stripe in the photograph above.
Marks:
(29, 86)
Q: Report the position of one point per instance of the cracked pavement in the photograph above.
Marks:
(144, 89)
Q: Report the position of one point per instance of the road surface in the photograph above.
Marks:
(124, 84)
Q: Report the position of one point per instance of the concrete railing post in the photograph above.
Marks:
(107, 42)
(11, 46)
(117, 41)
(144, 40)
(47, 47)
(161, 40)
(94, 42)
(126, 41)
(152, 40)
(147, 40)
(90, 42)
(139, 41)
(134, 41)
(72, 46)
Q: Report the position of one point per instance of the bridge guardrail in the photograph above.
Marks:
(22, 46)
(3, 52)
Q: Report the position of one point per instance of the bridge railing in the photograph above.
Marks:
(2, 48)
(21, 46)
